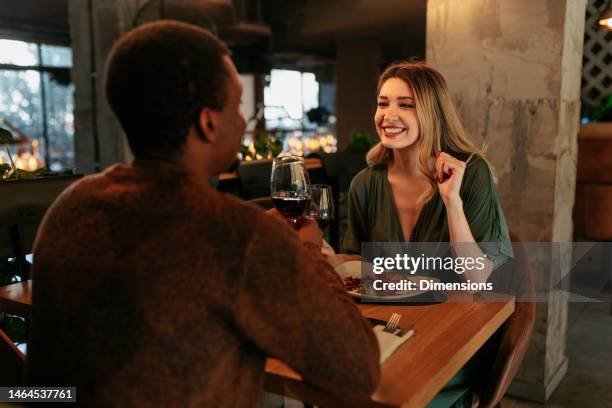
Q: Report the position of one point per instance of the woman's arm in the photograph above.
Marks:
(449, 173)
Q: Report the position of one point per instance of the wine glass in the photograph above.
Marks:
(321, 207)
(289, 188)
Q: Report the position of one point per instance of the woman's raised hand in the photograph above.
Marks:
(449, 173)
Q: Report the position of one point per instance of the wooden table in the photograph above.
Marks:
(16, 298)
(447, 336)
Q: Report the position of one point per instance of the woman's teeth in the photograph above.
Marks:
(394, 130)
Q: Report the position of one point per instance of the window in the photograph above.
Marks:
(289, 95)
(37, 98)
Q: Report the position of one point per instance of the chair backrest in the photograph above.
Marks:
(23, 204)
(514, 336)
(255, 178)
(12, 362)
(342, 166)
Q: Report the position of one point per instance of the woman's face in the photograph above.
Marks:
(396, 119)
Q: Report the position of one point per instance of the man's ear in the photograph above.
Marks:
(207, 125)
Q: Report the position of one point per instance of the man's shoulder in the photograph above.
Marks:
(82, 188)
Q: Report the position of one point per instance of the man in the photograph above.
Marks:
(152, 288)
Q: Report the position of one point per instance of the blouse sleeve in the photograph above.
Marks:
(484, 213)
(357, 228)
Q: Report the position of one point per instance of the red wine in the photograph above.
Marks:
(323, 222)
(291, 207)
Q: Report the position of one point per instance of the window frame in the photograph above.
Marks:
(41, 69)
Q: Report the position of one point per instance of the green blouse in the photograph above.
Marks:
(372, 216)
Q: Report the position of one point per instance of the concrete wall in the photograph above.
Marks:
(513, 67)
(356, 78)
(99, 141)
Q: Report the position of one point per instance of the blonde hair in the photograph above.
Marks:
(440, 125)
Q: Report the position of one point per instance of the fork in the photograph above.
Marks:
(392, 323)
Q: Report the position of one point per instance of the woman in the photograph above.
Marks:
(427, 182)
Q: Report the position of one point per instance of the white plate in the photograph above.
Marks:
(353, 269)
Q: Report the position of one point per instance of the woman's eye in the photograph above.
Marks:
(382, 103)
(407, 105)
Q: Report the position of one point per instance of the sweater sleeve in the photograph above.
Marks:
(293, 307)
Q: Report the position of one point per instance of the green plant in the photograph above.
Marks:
(10, 170)
(359, 141)
(265, 146)
(602, 112)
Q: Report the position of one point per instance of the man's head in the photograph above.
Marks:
(167, 80)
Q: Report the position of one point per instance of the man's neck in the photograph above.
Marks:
(200, 165)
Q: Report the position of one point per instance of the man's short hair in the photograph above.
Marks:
(158, 78)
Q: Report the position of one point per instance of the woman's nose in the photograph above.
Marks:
(392, 110)
(391, 114)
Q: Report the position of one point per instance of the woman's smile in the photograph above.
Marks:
(393, 131)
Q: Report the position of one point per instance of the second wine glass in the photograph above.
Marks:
(321, 207)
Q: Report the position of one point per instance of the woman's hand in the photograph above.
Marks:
(449, 173)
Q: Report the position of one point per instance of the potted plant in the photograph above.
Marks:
(9, 171)
(264, 146)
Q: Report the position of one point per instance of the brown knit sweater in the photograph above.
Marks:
(150, 290)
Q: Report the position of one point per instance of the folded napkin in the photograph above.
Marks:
(389, 342)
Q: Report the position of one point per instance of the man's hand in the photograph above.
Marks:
(309, 230)
(335, 259)
(273, 212)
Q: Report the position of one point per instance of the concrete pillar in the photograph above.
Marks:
(513, 67)
(99, 141)
(357, 70)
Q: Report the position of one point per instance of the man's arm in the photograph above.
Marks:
(293, 306)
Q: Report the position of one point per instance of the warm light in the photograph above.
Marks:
(32, 163)
(19, 163)
(605, 20)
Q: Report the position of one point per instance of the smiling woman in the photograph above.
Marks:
(427, 182)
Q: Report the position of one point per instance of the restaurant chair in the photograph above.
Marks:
(255, 178)
(340, 168)
(510, 343)
(17, 234)
(22, 208)
(12, 362)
